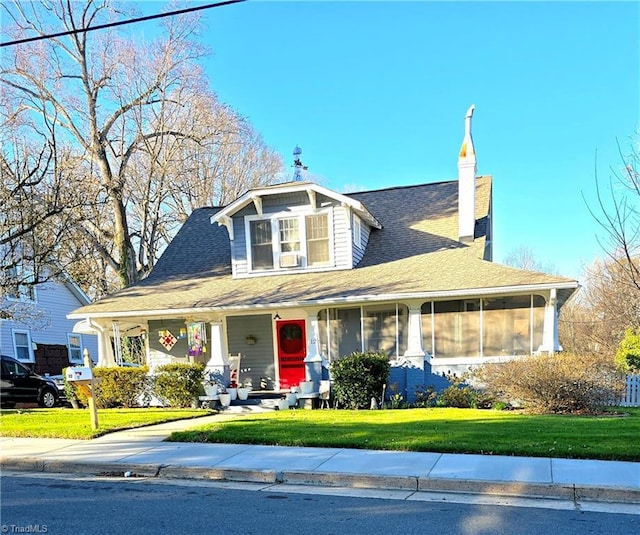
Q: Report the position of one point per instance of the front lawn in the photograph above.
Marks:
(611, 436)
(71, 423)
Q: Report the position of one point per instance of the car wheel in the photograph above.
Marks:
(47, 399)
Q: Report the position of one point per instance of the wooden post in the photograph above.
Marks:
(93, 411)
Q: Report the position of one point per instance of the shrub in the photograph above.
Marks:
(178, 384)
(117, 387)
(359, 377)
(560, 383)
(462, 395)
(628, 354)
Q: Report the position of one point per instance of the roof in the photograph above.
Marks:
(415, 255)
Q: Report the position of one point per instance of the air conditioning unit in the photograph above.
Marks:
(288, 260)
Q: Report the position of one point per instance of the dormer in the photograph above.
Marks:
(295, 227)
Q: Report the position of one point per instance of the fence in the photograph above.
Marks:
(632, 393)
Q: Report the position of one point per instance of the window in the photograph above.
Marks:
(357, 231)
(75, 347)
(261, 248)
(22, 287)
(22, 345)
(317, 239)
(294, 241)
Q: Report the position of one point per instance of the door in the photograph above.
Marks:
(292, 349)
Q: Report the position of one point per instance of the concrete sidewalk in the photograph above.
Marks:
(142, 452)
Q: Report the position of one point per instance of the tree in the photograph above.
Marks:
(523, 257)
(133, 113)
(596, 319)
(618, 214)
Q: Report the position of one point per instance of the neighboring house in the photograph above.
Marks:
(295, 275)
(40, 335)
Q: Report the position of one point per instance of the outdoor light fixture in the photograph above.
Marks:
(276, 317)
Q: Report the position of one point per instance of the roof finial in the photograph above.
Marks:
(297, 164)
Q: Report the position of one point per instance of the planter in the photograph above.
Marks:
(233, 392)
(283, 405)
(210, 389)
(243, 393)
(306, 387)
(225, 400)
(292, 399)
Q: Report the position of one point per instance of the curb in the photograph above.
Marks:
(330, 479)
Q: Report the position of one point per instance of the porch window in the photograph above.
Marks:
(380, 328)
(457, 328)
(261, 245)
(22, 286)
(317, 227)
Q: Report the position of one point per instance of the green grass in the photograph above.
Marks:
(611, 436)
(70, 423)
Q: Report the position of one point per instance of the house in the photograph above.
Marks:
(38, 332)
(295, 275)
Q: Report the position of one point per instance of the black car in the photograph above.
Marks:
(19, 384)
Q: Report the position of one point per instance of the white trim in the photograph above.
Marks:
(29, 344)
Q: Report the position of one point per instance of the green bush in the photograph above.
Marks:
(359, 377)
(462, 395)
(560, 383)
(117, 387)
(178, 384)
(628, 354)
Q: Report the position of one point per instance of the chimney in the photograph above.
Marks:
(467, 183)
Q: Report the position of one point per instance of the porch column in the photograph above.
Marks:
(105, 348)
(417, 361)
(550, 341)
(217, 364)
(314, 361)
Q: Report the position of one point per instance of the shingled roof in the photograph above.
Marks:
(416, 254)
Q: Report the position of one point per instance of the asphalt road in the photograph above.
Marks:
(59, 504)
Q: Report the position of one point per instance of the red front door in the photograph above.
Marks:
(292, 349)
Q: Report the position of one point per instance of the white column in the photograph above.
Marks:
(415, 353)
(217, 346)
(105, 349)
(550, 341)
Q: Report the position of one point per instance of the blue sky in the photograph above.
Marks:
(375, 94)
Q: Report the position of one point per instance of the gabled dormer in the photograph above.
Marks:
(295, 227)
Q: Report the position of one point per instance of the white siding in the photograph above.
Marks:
(342, 237)
(51, 326)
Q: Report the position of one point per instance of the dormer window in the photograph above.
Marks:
(289, 241)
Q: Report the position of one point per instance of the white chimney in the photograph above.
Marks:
(467, 183)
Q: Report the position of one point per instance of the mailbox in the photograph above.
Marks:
(78, 373)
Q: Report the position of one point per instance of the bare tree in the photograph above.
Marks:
(138, 117)
(523, 257)
(618, 214)
(595, 320)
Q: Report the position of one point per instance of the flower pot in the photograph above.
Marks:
(243, 393)
(306, 387)
(292, 399)
(210, 389)
(233, 392)
(225, 400)
(283, 405)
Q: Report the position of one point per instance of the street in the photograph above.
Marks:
(72, 504)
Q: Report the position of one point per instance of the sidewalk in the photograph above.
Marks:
(142, 452)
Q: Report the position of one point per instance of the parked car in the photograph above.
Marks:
(18, 384)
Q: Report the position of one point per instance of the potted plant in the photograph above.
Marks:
(225, 400)
(243, 391)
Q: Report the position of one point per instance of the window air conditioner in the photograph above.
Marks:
(288, 260)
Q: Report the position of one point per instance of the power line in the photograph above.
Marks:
(120, 23)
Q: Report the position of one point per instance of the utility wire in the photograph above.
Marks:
(119, 23)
